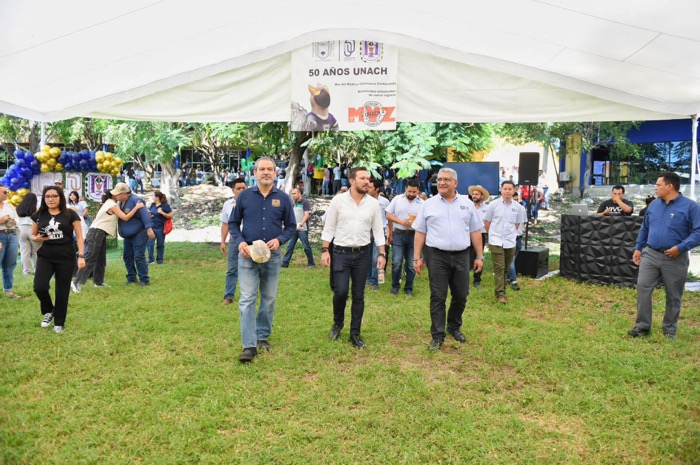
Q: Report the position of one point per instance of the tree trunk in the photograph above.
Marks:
(34, 136)
(294, 160)
(168, 181)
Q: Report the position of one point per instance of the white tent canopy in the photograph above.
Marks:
(471, 61)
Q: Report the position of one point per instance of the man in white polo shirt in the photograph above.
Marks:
(480, 197)
(502, 219)
(402, 210)
(447, 225)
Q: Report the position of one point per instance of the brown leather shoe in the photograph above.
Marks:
(227, 301)
(502, 300)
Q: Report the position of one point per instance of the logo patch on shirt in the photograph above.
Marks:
(275, 202)
(463, 207)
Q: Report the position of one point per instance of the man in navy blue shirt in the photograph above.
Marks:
(135, 233)
(264, 213)
(671, 229)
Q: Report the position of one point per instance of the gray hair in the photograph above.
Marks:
(452, 172)
(261, 159)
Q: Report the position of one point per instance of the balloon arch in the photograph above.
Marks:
(27, 165)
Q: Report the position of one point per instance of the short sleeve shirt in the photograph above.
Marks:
(448, 225)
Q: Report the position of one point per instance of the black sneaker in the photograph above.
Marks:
(46, 322)
(636, 332)
(394, 291)
(357, 341)
(334, 333)
(477, 285)
(248, 354)
(515, 286)
(435, 344)
(669, 335)
(264, 345)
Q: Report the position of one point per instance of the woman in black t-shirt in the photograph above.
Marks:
(54, 226)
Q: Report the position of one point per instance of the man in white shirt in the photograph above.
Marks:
(232, 272)
(402, 210)
(352, 216)
(447, 225)
(375, 188)
(479, 196)
(502, 219)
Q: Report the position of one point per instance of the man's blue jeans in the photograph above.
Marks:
(135, 257)
(303, 236)
(253, 277)
(373, 273)
(403, 249)
(232, 272)
(8, 259)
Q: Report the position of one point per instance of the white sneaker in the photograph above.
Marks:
(58, 329)
(75, 287)
(46, 322)
(102, 285)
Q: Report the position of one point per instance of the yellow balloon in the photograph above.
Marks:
(100, 167)
(55, 152)
(15, 200)
(45, 148)
(108, 165)
(99, 157)
(45, 168)
(59, 167)
(23, 191)
(108, 155)
(118, 161)
(51, 162)
(115, 171)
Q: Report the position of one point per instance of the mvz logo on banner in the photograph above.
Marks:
(371, 114)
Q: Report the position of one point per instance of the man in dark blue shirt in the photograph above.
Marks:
(264, 213)
(671, 229)
(135, 233)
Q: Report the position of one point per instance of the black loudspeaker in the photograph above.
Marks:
(533, 262)
(528, 168)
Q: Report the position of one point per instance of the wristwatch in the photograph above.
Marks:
(382, 254)
(80, 255)
(480, 258)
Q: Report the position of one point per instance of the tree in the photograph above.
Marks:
(275, 138)
(215, 140)
(158, 142)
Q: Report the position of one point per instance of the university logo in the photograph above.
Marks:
(324, 50)
(275, 202)
(371, 114)
(349, 48)
(371, 51)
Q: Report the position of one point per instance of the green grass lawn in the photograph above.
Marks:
(151, 375)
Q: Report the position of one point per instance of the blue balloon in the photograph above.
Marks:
(26, 185)
(29, 157)
(27, 173)
(62, 158)
(20, 162)
(19, 155)
(68, 167)
(76, 158)
(84, 166)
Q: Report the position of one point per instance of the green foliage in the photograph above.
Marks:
(157, 141)
(150, 375)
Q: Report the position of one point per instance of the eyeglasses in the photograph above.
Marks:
(51, 196)
(445, 179)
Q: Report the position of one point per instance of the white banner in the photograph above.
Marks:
(346, 85)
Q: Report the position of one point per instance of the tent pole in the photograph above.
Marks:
(43, 135)
(694, 158)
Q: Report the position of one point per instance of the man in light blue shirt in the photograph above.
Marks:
(502, 219)
(447, 225)
(671, 229)
(237, 186)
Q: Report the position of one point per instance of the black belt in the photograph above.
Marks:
(404, 231)
(8, 231)
(658, 250)
(338, 248)
(451, 252)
